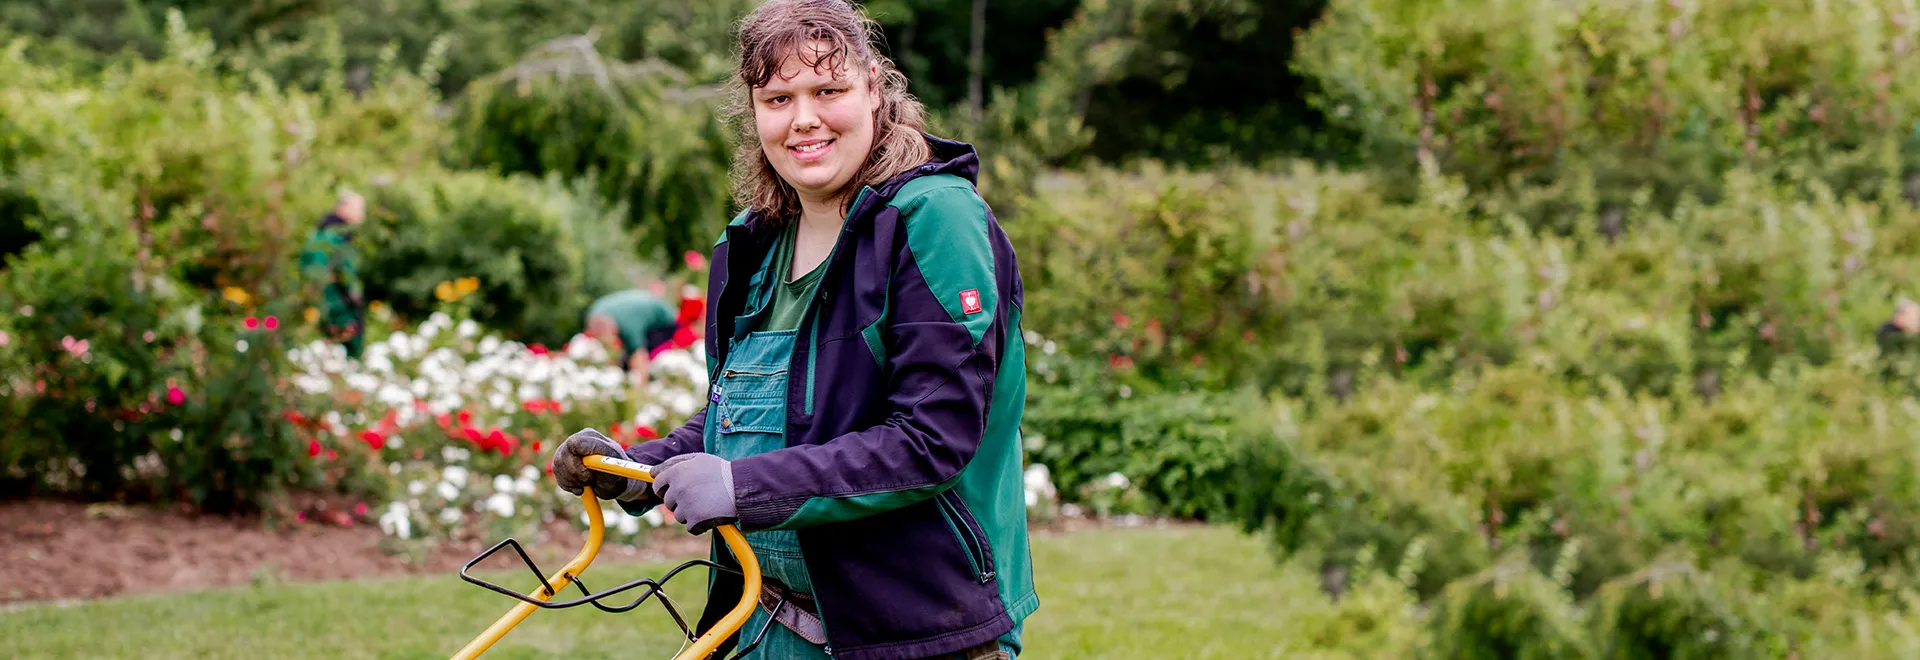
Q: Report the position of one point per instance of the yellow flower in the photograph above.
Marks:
(444, 291)
(313, 314)
(377, 307)
(236, 295)
(467, 285)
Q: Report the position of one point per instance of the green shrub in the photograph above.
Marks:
(645, 134)
(1547, 109)
(1672, 610)
(526, 241)
(1175, 448)
(1510, 611)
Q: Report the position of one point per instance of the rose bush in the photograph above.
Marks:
(449, 428)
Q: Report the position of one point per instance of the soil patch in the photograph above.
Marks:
(67, 551)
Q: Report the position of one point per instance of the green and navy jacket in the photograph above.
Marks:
(902, 470)
(331, 260)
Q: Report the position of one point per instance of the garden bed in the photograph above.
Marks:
(67, 550)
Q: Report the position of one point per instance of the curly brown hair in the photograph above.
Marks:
(783, 28)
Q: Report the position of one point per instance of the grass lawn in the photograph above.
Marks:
(1188, 592)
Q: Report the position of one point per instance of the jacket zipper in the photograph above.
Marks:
(970, 542)
(811, 320)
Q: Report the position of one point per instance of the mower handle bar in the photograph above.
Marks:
(596, 532)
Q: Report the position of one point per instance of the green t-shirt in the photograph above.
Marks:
(639, 314)
(790, 299)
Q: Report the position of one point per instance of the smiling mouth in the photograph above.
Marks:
(813, 147)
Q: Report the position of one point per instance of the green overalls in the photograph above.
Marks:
(750, 399)
(749, 402)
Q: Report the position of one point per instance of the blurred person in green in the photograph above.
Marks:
(637, 325)
(331, 260)
(1899, 337)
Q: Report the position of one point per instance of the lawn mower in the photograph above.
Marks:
(698, 647)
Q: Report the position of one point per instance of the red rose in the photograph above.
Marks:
(373, 439)
(313, 448)
(176, 396)
(273, 323)
(252, 323)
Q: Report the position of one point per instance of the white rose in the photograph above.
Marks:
(502, 504)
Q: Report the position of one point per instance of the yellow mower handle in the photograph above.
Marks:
(596, 531)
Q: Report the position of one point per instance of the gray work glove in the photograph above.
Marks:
(698, 489)
(572, 473)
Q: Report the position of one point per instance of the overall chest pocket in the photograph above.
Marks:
(753, 400)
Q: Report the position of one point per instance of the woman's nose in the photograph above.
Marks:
(804, 118)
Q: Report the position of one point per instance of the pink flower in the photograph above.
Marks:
(360, 509)
(300, 516)
(373, 439)
(5, 338)
(76, 347)
(273, 323)
(1121, 320)
(313, 448)
(695, 260)
(175, 395)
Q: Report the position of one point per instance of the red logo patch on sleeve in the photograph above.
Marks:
(970, 301)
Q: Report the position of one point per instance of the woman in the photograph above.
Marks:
(868, 370)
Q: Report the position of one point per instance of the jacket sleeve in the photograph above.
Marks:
(940, 364)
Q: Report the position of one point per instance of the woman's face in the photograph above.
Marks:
(816, 127)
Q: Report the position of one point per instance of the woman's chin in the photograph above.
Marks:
(815, 182)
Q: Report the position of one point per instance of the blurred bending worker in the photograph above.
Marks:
(1900, 336)
(331, 260)
(638, 325)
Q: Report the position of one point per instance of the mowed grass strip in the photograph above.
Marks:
(1183, 591)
